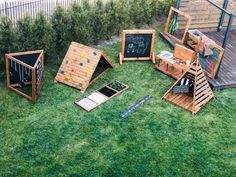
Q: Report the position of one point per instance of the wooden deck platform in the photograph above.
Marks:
(227, 73)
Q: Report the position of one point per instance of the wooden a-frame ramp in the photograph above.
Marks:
(82, 66)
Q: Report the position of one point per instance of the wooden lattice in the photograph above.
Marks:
(201, 94)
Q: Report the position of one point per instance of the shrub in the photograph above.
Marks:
(42, 35)
(60, 22)
(24, 34)
(7, 37)
(82, 23)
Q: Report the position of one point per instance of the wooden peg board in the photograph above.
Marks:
(79, 65)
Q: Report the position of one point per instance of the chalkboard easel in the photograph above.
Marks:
(137, 45)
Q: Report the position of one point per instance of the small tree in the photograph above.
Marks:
(60, 24)
(7, 37)
(81, 30)
(98, 21)
(24, 34)
(42, 35)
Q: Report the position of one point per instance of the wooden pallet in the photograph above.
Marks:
(201, 95)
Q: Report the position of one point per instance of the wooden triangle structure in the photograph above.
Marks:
(201, 92)
(81, 66)
(24, 72)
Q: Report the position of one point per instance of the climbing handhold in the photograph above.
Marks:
(62, 72)
(81, 64)
(95, 53)
(81, 55)
(88, 61)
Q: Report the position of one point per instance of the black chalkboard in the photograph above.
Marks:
(138, 45)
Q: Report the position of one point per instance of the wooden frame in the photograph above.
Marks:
(35, 82)
(171, 38)
(152, 53)
(79, 65)
(99, 93)
(202, 92)
(196, 42)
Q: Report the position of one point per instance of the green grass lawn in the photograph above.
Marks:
(56, 138)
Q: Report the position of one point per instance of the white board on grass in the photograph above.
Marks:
(87, 104)
(98, 98)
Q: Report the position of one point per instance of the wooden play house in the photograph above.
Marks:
(82, 66)
(24, 72)
(137, 45)
(192, 95)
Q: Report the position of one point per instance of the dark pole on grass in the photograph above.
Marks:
(222, 16)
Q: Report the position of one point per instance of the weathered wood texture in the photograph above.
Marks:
(204, 15)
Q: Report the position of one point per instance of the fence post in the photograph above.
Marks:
(6, 8)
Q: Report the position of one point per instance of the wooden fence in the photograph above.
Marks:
(18, 9)
(204, 15)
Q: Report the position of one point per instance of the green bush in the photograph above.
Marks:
(7, 37)
(24, 34)
(60, 22)
(82, 23)
(42, 35)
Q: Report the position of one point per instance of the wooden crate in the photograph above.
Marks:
(25, 73)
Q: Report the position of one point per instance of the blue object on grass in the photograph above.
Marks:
(135, 106)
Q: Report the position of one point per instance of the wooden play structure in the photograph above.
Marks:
(24, 72)
(82, 66)
(102, 95)
(172, 27)
(137, 45)
(210, 52)
(215, 20)
(198, 93)
(175, 67)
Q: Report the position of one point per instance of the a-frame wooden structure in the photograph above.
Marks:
(82, 66)
(24, 72)
(200, 95)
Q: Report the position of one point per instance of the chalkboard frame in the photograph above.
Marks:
(152, 53)
(215, 69)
